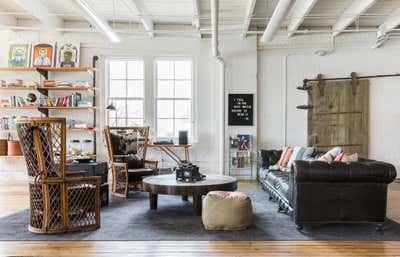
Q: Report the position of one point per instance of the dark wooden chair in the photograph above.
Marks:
(58, 203)
(127, 147)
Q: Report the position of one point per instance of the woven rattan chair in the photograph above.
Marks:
(127, 147)
(57, 203)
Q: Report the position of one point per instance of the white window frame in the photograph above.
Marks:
(193, 135)
(108, 99)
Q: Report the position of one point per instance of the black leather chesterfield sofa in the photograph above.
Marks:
(321, 192)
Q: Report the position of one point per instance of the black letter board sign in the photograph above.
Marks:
(240, 108)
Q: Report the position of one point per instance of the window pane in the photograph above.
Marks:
(183, 69)
(165, 69)
(165, 109)
(183, 89)
(182, 109)
(120, 105)
(112, 122)
(182, 124)
(165, 127)
(121, 122)
(135, 88)
(117, 88)
(165, 88)
(135, 69)
(117, 70)
(135, 108)
(135, 122)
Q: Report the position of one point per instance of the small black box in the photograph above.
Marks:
(183, 137)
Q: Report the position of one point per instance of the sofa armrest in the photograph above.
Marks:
(351, 172)
(268, 157)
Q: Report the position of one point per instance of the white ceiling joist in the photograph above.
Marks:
(299, 11)
(196, 14)
(356, 8)
(40, 11)
(276, 20)
(388, 25)
(138, 6)
(248, 15)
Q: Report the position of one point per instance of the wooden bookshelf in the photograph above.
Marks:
(51, 107)
(48, 88)
(53, 69)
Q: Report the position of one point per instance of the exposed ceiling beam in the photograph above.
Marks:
(97, 21)
(248, 15)
(390, 23)
(277, 17)
(139, 8)
(299, 11)
(6, 21)
(40, 11)
(356, 8)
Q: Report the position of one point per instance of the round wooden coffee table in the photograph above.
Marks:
(168, 185)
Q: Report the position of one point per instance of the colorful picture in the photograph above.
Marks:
(43, 55)
(18, 55)
(68, 55)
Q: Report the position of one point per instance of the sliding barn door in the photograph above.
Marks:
(339, 116)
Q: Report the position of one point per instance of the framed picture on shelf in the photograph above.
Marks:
(43, 55)
(68, 54)
(18, 55)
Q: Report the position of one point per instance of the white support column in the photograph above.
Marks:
(248, 15)
(390, 23)
(196, 14)
(40, 11)
(139, 8)
(299, 11)
(276, 20)
(356, 8)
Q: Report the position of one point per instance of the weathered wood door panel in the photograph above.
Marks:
(339, 116)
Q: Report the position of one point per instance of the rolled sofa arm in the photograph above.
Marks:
(367, 171)
(268, 157)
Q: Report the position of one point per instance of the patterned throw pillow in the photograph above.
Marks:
(331, 154)
(339, 157)
(350, 157)
(117, 144)
(284, 150)
(297, 154)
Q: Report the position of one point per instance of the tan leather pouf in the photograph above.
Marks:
(227, 211)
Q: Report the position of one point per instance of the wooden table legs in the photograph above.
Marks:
(153, 201)
(197, 204)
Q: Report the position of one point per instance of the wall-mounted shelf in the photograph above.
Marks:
(50, 107)
(45, 70)
(49, 88)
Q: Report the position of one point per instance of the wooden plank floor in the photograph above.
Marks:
(14, 197)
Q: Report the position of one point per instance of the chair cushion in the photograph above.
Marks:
(138, 174)
(125, 142)
(227, 211)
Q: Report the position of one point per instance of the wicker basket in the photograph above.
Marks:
(3, 147)
(14, 148)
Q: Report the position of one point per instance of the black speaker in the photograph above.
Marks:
(183, 137)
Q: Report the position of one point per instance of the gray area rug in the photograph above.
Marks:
(131, 219)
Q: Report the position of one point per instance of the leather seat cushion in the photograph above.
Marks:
(280, 181)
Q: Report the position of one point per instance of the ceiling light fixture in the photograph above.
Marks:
(99, 22)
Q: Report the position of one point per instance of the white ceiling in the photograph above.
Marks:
(324, 14)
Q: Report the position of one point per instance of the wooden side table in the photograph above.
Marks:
(169, 149)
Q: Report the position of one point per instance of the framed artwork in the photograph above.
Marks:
(68, 54)
(240, 109)
(18, 55)
(43, 55)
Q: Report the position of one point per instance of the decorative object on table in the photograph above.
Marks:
(127, 149)
(80, 84)
(43, 55)
(163, 141)
(68, 54)
(227, 211)
(31, 84)
(59, 203)
(183, 137)
(240, 109)
(240, 154)
(19, 55)
(188, 172)
(64, 84)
